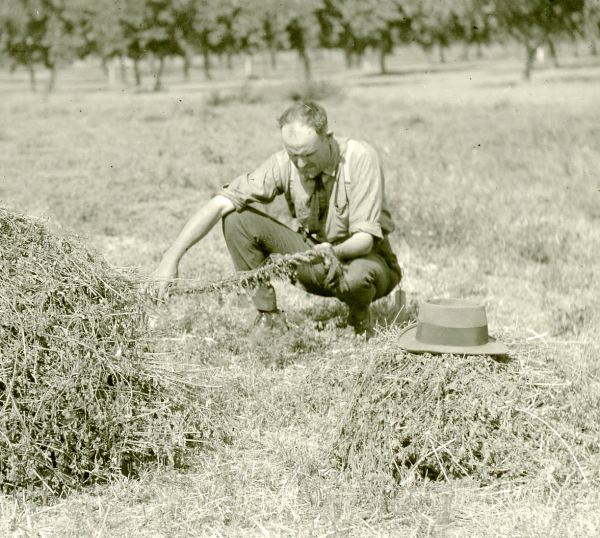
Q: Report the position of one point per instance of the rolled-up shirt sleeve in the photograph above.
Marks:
(365, 196)
(262, 185)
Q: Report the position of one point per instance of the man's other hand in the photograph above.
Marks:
(326, 251)
(331, 264)
(162, 279)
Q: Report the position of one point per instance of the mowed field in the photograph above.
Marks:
(495, 190)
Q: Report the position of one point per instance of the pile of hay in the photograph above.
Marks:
(415, 417)
(79, 399)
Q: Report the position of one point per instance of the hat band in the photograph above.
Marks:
(449, 336)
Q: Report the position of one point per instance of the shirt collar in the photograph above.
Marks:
(334, 149)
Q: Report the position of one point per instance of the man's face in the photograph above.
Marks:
(309, 151)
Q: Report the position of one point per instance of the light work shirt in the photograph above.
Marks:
(353, 180)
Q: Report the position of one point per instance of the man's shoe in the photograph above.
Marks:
(271, 321)
(361, 320)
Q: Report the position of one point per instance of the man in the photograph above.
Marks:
(334, 188)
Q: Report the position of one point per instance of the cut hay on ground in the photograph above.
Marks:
(79, 400)
(415, 417)
(276, 267)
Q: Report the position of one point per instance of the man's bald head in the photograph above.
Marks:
(306, 138)
(307, 113)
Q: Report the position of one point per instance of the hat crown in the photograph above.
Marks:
(453, 313)
(454, 326)
(453, 322)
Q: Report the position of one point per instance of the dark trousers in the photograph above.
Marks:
(251, 236)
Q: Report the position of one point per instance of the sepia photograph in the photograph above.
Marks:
(305, 268)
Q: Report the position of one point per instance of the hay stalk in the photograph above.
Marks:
(277, 266)
(78, 397)
(560, 438)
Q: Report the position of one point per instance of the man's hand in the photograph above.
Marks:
(162, 278)
(331, 264)
(200, 223)
(326, 251)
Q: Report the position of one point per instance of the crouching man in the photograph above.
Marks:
(334, 188)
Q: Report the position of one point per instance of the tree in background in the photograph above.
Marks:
(50, 33)
(435, 24)
(249, 25)
(105, 33)
(363, 24)
(591, 24)
(110, 29)
(537, 22)
(475, 23)
(226, 40)
(302, 29)
(274, 23)
(199, 25)
(159, 35)
(22, 30)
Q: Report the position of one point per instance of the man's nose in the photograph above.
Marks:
(300, 162)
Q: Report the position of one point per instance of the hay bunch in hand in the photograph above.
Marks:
(79, 401)
(416, 417)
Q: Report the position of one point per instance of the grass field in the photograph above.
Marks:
(494, 187)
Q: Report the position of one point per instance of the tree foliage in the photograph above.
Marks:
(49, 33)
(363, 24)
(52, 33)
(536, 22)
(591, 24)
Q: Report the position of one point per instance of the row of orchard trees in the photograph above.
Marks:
(54, 33)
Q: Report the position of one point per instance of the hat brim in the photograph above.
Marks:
(407, 340)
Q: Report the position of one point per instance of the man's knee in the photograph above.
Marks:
(358, 282)
(248, 219)
(366, 280)
(237, 224)
(359, 277)
(231, 221)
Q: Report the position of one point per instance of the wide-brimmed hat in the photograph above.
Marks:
(454, 326)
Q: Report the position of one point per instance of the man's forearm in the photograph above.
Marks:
(199, 225)
(358, 244)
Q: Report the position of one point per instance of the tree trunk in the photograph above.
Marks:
(382, 57)
(104, 64)
(52, 79)
(273, 58)
(229, 60)
(479, 51)
(305, 64)
(529, 60)
(249, 66)
(206, 63)
(552, 50)
(158, 74)
(591, 34)
(442, 50)
(136, 72)
(110, 67)
(123, 69)
(359, 57)
(32, 85)
(465, 53)
(348, 58)
(187, 64)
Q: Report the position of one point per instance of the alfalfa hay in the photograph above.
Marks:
(418, 417)
(79, 400)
